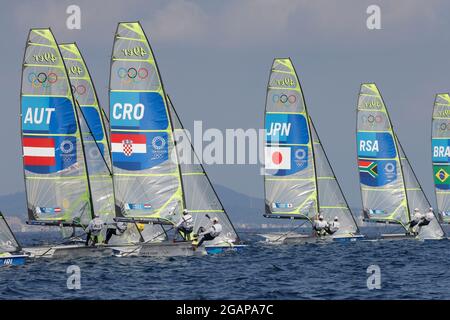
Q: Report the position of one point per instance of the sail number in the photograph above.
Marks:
(285, 82)
(45, 57)
(8, 261)
(76, 70)
(136, 51)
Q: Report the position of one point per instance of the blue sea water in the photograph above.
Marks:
(409, 270)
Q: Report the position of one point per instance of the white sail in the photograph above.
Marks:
(8, 242)
(200, 196)
(332, 202)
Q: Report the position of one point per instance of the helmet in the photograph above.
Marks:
(185, 211)
(416, 210)
(215, 219)
(431, 209)
(320, 217)
(336, 218)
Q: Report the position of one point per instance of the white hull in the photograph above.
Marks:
(158, 249)
(296, 238)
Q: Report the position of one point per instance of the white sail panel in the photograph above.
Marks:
(332, 202)
(417, 199)
(200, 196)
(8, 242)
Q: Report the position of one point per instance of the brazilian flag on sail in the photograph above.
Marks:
(442, 176)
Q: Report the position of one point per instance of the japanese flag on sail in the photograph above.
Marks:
(278, 158)
(39, 151)
(128, 144)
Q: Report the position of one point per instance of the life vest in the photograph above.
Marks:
(187, 222)
(216, 230)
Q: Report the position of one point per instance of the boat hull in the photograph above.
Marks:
(159, 249)
(13, 260)
(280, 238)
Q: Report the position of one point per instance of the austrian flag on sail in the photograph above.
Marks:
(38, 151)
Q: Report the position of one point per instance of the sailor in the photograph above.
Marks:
(417, 218)
(211, 233)
(94, 229)
(118, 229)
(427, 218)
(334, 226)
(185, 225)
(320, 225)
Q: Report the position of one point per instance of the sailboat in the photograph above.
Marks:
(147, 178)
(299, 181)
(389, 187)
(441, 154)
(56, 173)
(200, 196)
(10, 249)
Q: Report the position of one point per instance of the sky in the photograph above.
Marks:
(215, 57)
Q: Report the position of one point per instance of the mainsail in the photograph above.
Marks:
(200, 196)
(8, 242)
(93, 131)
(56, 177)
(299, 180)
(147, 182)
(389, 187)
(441, 154)
(290, 175)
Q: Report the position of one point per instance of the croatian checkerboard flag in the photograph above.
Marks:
(278, 158)
(128, 144)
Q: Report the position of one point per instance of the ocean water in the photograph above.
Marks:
(409, 270)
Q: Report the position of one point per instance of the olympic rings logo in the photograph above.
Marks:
(443, 126)
(389, 167)
(42, 79)
(284, 98)
(132, 74)
(372, 119)
(80, 89)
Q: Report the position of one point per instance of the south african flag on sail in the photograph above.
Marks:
(369, 167)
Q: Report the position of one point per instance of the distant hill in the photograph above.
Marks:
(241, 208)
(14, 205)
